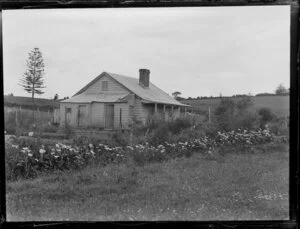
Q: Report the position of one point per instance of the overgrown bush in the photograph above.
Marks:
(231, 115)
(119, 139)
(17, 122)
(159, 135)
(49, 128)
(68, 131)
(266, 116)
(27, 158)
(178, 124)
(279, 126)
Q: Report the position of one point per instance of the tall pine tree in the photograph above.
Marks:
(33, 81)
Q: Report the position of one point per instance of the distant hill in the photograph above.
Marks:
(279, 105)
(26, 102)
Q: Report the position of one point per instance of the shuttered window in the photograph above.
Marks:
(104, 85)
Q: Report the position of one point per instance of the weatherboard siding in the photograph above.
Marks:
(137, 109)
(124, 107)
(74, 114)
(113, 86)
(98, 111)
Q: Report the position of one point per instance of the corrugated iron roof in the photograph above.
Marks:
(151, 94)
(99, 97)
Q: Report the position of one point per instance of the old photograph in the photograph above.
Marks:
(147, 114)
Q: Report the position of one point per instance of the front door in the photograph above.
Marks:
(68, 116)
(109, 116)
(81, 115)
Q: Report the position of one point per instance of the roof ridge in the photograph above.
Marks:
(122, 75)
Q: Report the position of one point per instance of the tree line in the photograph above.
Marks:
(280, 90)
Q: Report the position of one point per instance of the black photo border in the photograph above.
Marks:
(294, 114)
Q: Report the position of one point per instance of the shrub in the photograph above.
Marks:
(142, 155)
(119, 139)
(187, 135)
(69, 132)
(230, 115)
(246, 120)
(279, 126)
(224, 114)
(266, 116)
(49, 128)
(178, 124)
(159, 135)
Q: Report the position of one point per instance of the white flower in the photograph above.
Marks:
(55, 156)
(56, 145)
(91, 145)
(30, 134)
(42, 151)
(15, 146)
(30, 154)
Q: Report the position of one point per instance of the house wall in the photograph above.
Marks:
(97, 115)
(138, 110)
(113, 86)
(125, 119)
(74, 113)
(56, 116)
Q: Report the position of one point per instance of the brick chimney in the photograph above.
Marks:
(144, 77)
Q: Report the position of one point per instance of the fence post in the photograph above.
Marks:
(16, 117)
(209, 114)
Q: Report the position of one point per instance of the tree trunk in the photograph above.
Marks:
(33, 110)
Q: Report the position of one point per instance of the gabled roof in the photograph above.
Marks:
(152, 94)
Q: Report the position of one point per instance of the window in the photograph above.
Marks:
(104, 85)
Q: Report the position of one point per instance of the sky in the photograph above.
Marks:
(198, 51)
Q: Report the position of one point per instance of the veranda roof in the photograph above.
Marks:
(99, 97)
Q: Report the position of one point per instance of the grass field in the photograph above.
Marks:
(231, 186)
(27, 102)
(278, 104)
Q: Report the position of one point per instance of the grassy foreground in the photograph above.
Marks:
(217, 186)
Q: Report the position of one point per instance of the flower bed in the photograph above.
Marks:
(28, 161)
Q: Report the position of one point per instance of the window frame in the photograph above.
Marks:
(104, 85)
